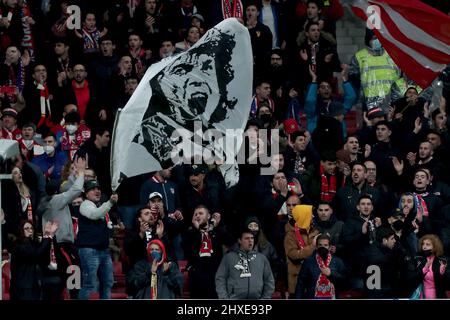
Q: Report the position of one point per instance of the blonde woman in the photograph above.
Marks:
(18, 203)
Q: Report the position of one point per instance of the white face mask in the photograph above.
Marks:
(28, 143)
(71, 128)
(49, 149)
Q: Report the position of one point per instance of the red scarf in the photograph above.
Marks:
(421, 204)
(44, 102)
(71, 146)
(206, 246)
(327, 190)
(154, 286)
(53, 264)
(29, 210)
(256, 103)
(324, 287)
(75, 227)
(137, 60)
(232, 10)
(300, 242)
(5, 134)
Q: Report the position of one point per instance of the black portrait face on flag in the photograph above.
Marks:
(191, 88)
(193, 104)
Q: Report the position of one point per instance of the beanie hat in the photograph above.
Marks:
(375, 113)
(91, 184)
(250, 220)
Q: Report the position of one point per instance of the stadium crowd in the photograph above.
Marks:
(347, 193)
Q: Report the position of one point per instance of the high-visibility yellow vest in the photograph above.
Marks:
(377, 74)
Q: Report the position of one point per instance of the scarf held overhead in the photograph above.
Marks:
(324, 287)
(327, 189)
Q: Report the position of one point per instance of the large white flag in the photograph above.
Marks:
(178, 99)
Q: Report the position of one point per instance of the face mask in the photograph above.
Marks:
(323, 252)
(49, 149)
(266, 118)
(398, 225)
(255, 233)
(376, 45)
(71, 128)
(27, 143)
(427, 253)
(156, 255)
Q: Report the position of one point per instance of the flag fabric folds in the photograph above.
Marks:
(206, 88)
(416, 36)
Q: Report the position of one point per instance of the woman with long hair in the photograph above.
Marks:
(18, 202)
(191, 37)
(28, 258)
(431, 268)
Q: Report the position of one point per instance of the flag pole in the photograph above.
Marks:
(112, 159)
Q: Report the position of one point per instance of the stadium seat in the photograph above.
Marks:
(350, 294)
(114, 296)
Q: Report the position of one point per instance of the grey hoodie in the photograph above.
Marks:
(57, 209)
(244, 275)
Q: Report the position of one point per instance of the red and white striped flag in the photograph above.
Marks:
(416, 36)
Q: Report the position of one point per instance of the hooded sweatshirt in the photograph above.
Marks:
(244, 275)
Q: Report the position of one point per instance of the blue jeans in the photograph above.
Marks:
(95, 261)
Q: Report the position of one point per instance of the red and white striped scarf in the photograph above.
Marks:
(232, 9)
(29, 210)
(327, 189)
(324, 287)
(44, 102)
(53, 264)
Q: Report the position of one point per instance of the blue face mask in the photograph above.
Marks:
(376, 45)
(156, 255)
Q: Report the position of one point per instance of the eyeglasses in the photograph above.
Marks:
(291, 204)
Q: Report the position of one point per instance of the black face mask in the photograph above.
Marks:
(426, 253)
(255, 233)
(323, 252)
(398, 225)
(265, 118)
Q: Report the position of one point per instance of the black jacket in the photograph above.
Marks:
(202, 269)
(440, 281)
(28, 258)
(390, 262)
(346, 200)
(310, 272)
